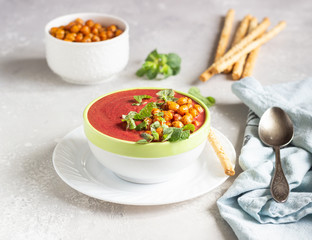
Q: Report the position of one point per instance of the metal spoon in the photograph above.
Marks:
(276, 130)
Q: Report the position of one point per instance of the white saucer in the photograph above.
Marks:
(76, 166)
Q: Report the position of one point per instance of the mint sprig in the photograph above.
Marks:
(139, 99)
(160, 64)
(166, 95)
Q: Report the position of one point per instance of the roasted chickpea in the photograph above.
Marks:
(148, 132)
(173, 106)
(187, 119)
(193, 112)
(69, 25)
(177, 117)
(60, 34)
(118, 32)
(169, 124)
(95, 31)
(196, 123)
(53, 31)
(190, 101)
(97, 25)
(85, 30)
(157, 118)
(103, 36)
(110, 34)
(79, 20)
(95, 38)
(155, 111)
(102, 29)
(112, 28)
(189, 105)
(70, 37)
(159, 131)
(182, 100)
(198, 108)
(76, 28)
(79, 37)
(177, 124)
(86, 39)
(89, 23)
(183, 110)
(168, 115)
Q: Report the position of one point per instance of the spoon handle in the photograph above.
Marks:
(279, 184)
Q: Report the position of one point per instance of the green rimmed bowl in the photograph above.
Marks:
(146, 163)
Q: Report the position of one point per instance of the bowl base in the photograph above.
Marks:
(82, 82)
(148, 180)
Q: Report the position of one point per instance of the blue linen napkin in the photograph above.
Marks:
(248, 206)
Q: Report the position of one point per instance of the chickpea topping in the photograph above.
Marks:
(182, 100)
(155, 111)
(173, 106)
(159, 131)
(110, 34)
(183, 110)
(177, 117)
(196, 123)
(168, 115)
(83, 31)
(198, 108)
(189, 100)
(193, 112)
(187, 119)
(89, 23)
(60, 34)
(112, 28)
(177, 124)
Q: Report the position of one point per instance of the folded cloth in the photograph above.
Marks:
(248, 206)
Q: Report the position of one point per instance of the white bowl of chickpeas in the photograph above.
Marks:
(87, 48)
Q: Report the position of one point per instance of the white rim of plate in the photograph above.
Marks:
(78, 171)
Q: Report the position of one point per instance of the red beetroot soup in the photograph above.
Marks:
(106, 113)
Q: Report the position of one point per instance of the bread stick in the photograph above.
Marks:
(225, 34)
(239, 65)
(224, 159)
(240, 33)
(251, 59)
(223, 63)
(240, 45)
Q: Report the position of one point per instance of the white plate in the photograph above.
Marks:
(76, 166)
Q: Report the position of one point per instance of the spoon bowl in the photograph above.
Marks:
(276, 130)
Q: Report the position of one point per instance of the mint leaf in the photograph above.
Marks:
(145, 112)
(167, 132)
(155, 125)
(185, 134)
(147, 137)
(190, 127)
(208, 101)
(166, 95)
(174, 61)
(143, 125)
(129, 118)
(163, 64)
(142, 141)
(139, 99)
(155, 135)
(176, 135)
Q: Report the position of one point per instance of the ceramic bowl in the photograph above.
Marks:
(146, 163)
(87, 63)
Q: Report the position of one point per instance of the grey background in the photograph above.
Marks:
(37, 109)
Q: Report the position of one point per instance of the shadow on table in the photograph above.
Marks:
(29, 70)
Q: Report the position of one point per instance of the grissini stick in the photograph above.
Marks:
(239, 65)
(239, 35)
(250, 62)
(242, 43)
(224, 159)
(225, 34)
(226, 61)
